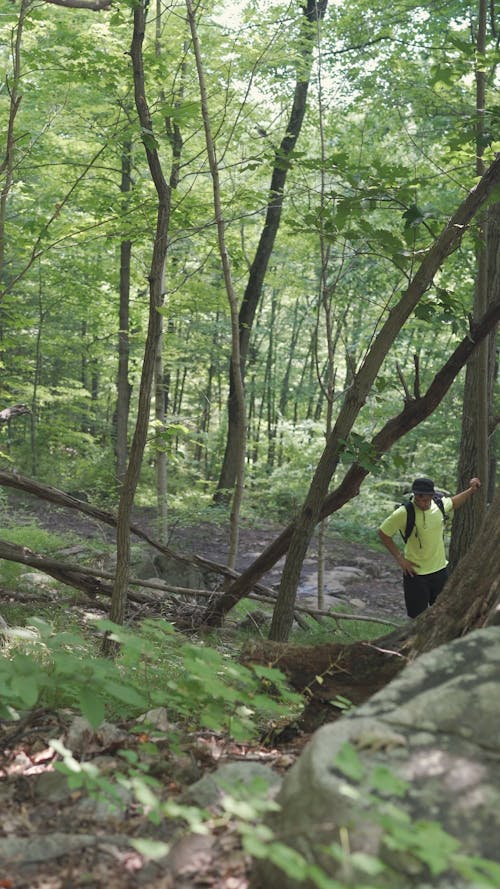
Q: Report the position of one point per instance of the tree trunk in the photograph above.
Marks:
(270, 388)
(236, 365)
(313, 12)
(119, 597)
(493, 367)
(474, 453)
(7, 163)
(37, 380)
(123, 384)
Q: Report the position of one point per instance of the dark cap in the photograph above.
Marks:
(423, 486)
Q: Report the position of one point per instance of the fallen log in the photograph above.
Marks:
(62, 498)
(9, 413)
(93, 582)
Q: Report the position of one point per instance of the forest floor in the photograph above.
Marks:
(52, 838)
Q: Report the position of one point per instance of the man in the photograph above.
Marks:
(423, 561)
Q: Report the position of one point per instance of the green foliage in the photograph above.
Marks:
(156, 667)
(35, 537)
(207, 686)
(398, 136)
(54, 669)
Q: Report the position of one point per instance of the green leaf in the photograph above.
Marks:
(369, 864)
(413, 216)
(291, 862)
(385, 781)
(92, 706)
(26, 689)
(482, 872)
(151, 850)
(126, 693)
(349, 763)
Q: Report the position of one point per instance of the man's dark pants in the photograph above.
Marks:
(422, 590)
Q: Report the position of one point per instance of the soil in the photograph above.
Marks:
(61, 845)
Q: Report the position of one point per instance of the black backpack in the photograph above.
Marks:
(410, 514)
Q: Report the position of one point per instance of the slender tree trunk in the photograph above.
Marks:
(160, 400)
(313, 12)
(123, 384)
(119, 595)
(237, 376)
(160, 442)
(200, 451)
(474, 453)
(7, 163)
(269, 389)
(493, 367)
(36, 379)
(285, 383)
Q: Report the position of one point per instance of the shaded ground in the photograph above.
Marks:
(65, 843)
(376, 591)
(375, 588)
(378, 587)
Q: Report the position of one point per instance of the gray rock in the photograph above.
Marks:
(83, 740)
(424, 749)
(35, 580)
(231, 778)
(181, 572)
(52, 787)
(156, 718)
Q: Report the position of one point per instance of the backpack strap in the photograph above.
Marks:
(410, 519)
(410, 515)
(438, 500)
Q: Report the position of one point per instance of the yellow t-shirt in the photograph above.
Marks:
(425, 546)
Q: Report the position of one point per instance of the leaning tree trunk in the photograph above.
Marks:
(356, 396)
(415, 411)
(469, 601)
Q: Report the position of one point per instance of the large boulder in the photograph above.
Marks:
(399, 777)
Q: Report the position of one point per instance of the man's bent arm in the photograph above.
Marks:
(396, 553)
(461, 498)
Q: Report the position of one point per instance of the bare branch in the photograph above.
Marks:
(403, 382)
(94, 5)
(416, 382)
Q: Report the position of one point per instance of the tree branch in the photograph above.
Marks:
(93, 5)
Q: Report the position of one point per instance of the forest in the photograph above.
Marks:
(249, 290)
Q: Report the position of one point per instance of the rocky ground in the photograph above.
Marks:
(355, 574)
(55, 838)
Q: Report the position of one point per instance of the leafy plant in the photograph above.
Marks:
(156, 667)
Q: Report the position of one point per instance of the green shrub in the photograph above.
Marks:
(155, 667)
